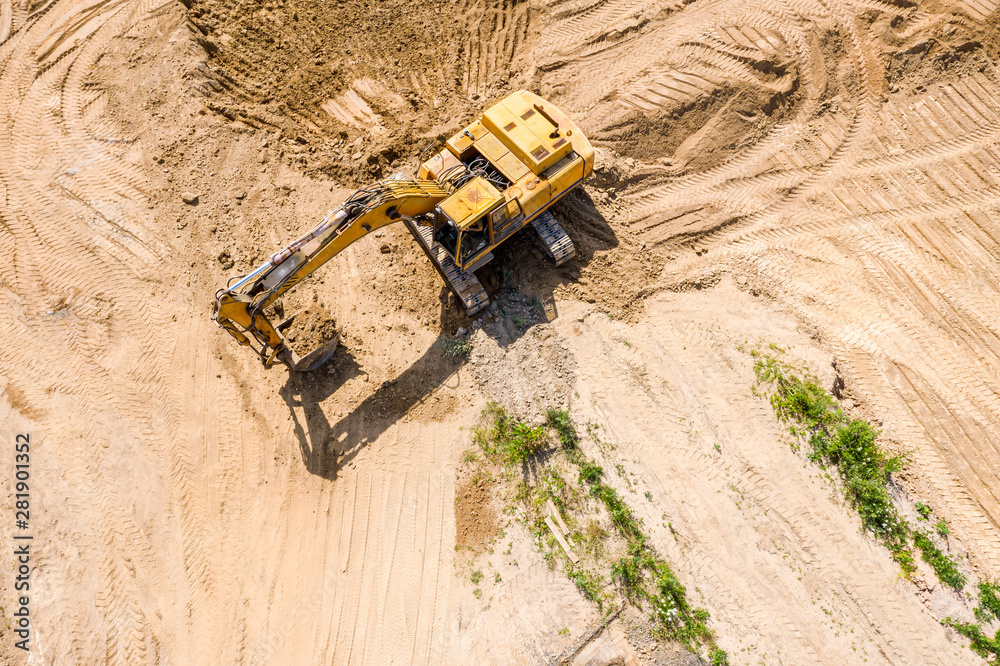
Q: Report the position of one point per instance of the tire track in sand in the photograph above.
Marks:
(82, 270)
(870, 215)
(753, 490)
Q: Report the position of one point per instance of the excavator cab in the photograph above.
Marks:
(463, 223)
(445, 233)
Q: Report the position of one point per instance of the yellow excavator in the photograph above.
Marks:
(493, 178)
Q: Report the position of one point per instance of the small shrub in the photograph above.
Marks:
(591, 473)
(718, 657)
(980, 643)
(941, 527)
(923, 510)
(672, 593)
(477, 593)
(621, 515)
(695, 627)
(507, 439)
(904, 558)
(457, 347)
(476, 577)
(559, 420)
(627, 572)
(520, 322)
(865, 469)
(989, 601)
(588, 583)
(554, 486)
(649, 496)
(944, 566)
(672, 613)
(794, 399)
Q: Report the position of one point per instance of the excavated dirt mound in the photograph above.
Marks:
(361, 87)
(310, 329)
(823, 176)
(475, 517)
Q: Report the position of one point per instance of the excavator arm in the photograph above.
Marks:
(239, 308)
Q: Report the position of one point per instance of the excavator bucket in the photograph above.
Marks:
(316, 357)
(312, 360)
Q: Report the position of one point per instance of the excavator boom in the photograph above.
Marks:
(239, 308)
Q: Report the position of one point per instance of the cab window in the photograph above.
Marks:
(447, 237)
(474, 239)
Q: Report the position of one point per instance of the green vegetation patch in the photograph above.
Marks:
(621, 514)
(980, 643)
(849, 444)
(923, 510)
(945, 566)
(589, 583)
(989, 601)
(590, 472)
(506, 438)
(559, 420)
(642, 576)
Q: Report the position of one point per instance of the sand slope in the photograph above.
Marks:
(818, 175)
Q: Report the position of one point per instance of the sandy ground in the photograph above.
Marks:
(823, 176)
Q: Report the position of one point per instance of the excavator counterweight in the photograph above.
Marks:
(493, 178)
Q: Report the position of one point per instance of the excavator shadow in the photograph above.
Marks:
(326, 447)
(307, 390)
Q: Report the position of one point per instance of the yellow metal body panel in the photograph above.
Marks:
(564, 174)
(437, 165)
(527, 129)
(470, 202)
(512, 167)
(505, 161)
(567, 128)
(461, 142)
(535, 194)
(491, 148)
